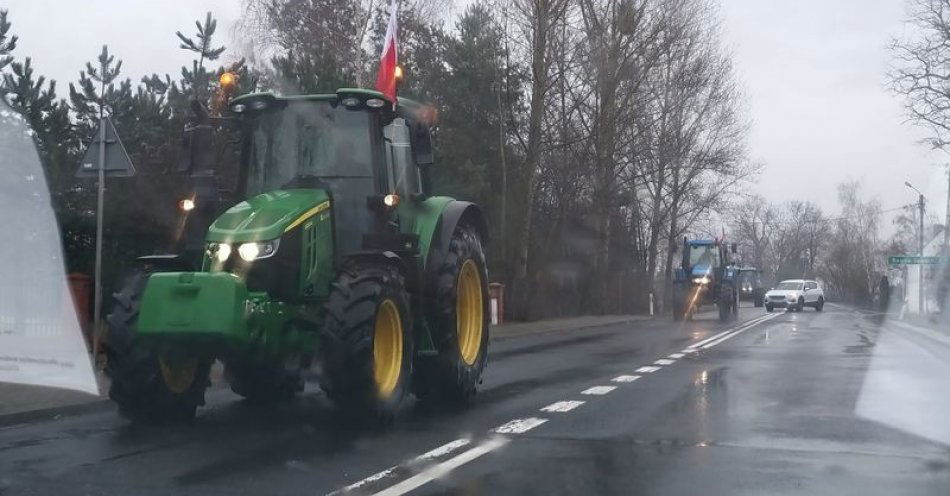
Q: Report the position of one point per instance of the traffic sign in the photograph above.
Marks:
(912, 260)
(117, 162)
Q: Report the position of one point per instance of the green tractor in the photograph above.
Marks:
(337, 258)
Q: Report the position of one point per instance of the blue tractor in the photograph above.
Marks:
(707, 275)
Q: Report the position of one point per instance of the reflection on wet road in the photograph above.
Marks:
(801, 403)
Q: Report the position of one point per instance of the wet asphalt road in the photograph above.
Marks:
(801, 403)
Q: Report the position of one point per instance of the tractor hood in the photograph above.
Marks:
(267, 216)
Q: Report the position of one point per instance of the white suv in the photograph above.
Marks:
(795, 294)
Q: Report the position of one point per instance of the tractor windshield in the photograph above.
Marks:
(308, 139)
(704, 255)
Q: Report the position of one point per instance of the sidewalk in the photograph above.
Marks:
(21, 403)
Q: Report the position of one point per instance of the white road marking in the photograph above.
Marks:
(625, 378)
(562, 406)
(647, 369)
(745, 327)
(429, 455)
(442, 469)
(664, 361)
(442, 450)
(675, 356)
(519, 426)
(699, 344)
(599, 390)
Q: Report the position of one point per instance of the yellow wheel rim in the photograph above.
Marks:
(179, 374)
(387, 348)
(469, 312)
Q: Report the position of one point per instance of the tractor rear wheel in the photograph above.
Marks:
(149, 385)
(459, 322)
(367, 357)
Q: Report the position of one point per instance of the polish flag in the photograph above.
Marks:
(386, 79)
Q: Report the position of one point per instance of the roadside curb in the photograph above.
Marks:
(54, 412)
(499, 333)
(923, 331)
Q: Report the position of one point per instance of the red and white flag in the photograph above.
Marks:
(388, 62)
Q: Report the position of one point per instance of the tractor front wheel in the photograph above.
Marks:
(149, 385)
(459, 322)
(367, 356)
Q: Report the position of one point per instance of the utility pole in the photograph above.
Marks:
(946, 223)
(100, 201)
(920, 271)
(920, 242)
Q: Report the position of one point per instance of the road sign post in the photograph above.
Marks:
(105, 156)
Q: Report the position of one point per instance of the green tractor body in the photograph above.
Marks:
(336, 255)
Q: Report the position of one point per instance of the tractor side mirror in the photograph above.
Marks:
(196, 149)
(421, 142)
(196, 154)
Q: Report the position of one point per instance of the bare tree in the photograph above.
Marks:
(921, 72)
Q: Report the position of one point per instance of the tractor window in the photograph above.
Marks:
(704, 255)
(403, 174)
(308, 139)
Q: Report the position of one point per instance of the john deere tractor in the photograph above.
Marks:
(706, 276)
(337, 257)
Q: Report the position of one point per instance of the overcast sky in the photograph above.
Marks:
(813, 71)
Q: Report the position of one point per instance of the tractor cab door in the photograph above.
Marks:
(402, 174)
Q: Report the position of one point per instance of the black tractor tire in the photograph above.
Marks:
(769, 308)
(735, 306)
(139, 385)
(679, 305)
(363, 299)
(264, 383)
(820, 305)
(801, 305)
(449, 376)
(725, 310)
(758, 298)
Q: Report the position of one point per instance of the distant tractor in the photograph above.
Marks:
(750, 286)
(338, 256)
(706, 276)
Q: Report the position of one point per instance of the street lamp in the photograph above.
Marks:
(920, 241)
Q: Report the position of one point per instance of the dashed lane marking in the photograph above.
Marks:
(625, 378)
(562, 406)
(432, 454)
(519, 426)
(599, 390)
(442, 469)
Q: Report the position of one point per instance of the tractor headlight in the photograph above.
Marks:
(257, 250)
(701, 280)
(219, 251)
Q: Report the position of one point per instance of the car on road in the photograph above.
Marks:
(795, 294)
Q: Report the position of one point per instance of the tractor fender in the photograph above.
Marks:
(454, 213)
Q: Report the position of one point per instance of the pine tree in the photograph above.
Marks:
(7, 41)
